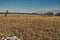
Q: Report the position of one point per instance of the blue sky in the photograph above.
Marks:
(29, 5)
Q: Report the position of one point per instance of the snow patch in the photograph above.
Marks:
(10, 38)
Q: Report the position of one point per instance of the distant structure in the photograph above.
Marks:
(6, 13)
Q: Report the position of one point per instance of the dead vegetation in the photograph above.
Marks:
(30, 27)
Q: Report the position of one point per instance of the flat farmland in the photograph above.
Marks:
(30, 27)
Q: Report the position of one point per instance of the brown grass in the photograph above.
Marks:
(30, 27)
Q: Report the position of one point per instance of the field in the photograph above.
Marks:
(30, 27)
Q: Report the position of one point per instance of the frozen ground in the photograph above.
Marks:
(8, 37)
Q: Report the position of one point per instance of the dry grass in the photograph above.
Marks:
(30, 27)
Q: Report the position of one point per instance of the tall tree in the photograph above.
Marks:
(6, 13)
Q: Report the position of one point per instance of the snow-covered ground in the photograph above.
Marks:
(10, 38)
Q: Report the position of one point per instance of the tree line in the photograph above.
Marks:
(49, 13)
